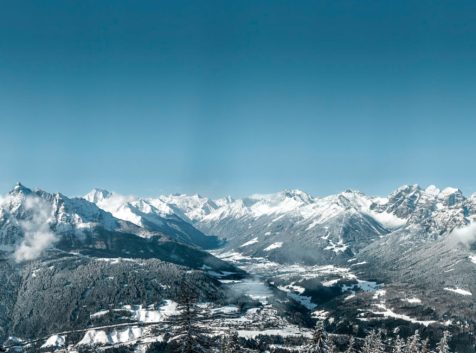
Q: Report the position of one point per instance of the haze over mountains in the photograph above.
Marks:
(403, 261)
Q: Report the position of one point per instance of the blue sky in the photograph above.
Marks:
(237, 97)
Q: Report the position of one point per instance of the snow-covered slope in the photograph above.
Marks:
(436, 211)
(36, 224)
(128, 208)
(152, 214)
(319, 229)
(359, 258)
(37, 218)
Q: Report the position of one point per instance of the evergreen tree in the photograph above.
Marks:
(425, 346)
(373, 343)
(350, 346)
(399, 345)
(443, 346)
(368, 343)
(414, 343)
(331, 346)
(232, 344)
(379, 344)
(189, 335)
(319, 338)
(223, 343)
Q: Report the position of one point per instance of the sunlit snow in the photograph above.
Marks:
(273, 246)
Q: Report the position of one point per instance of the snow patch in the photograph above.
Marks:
(330, 283)
(337, 248)
(101, 337)
(273, 246)
(379, 293)
(458, 291)
(413, 300)
(98, 314)
(150, 314)
(54, 341)
(303, 300)
(386, 312)
(320, 314)
(250, 242)
(284, 332)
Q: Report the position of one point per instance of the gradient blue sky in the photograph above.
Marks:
(237, 97)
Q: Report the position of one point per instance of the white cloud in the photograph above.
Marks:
(37, 233)
(465, 235)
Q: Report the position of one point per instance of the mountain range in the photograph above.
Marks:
(293, 226)
(347, 254)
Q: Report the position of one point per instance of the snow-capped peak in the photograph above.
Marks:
(192, 207)
(128, 208)
(432, 190)
(36, 214)
(97, 195)
(299, 195)
(224, 201)
(19, 188)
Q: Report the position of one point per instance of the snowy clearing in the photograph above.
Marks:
(458, 291)
(54, 341)
(413, 300)
(93, 337)
(388, 313)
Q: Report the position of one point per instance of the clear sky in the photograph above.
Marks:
(237, 97)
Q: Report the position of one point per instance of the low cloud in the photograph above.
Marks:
(465, 235)
(37, 233)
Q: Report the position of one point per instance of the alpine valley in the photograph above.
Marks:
(102, 272)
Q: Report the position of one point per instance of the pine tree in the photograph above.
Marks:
(414, 343)
(399, 345)
(373, 343)
(232, 344)
(350, 346)
(425, 346)
(379, 344)
(223, 343)
(319, 338)
(367, 346)
(331, 346)
(188, 333)
(443, 346)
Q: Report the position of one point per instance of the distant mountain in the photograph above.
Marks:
(153, 215)
(294, 226)
(402, 262)
(64, 259)
(33, 223)
(436, 212)
(427, 252)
